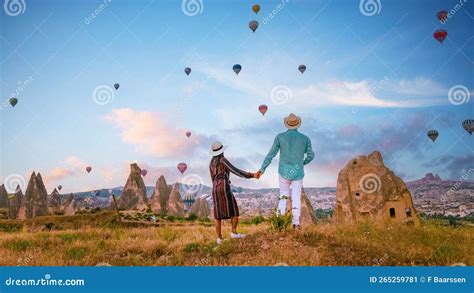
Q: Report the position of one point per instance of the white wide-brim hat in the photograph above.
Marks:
(217, 148)
(292, 121)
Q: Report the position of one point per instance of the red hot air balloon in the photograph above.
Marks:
(442, 16)
(440, 35)
(188, 134)
(88, 169)
(144, 172)
(263, 109)
(182, 167)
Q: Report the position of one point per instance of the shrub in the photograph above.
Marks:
(76, 253)
(192, 217)
(258, 220)
(279, 222)
(190, 247)
(17, 244)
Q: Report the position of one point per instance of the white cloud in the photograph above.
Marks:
(151, 133)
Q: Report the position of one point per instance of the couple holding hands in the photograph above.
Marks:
(295, 152)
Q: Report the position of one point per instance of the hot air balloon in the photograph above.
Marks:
(442, 16)
(263, 109)
(187, 70)
(60, 187)
(144, 172)
(468, 125)
(237, 68)
(253, 25)
(256, 8)
(116, 86)
(188, 134)
(13, 101)
(182, 167)
(88, 169)
(302, 68)
(433, 134)
(440, 35)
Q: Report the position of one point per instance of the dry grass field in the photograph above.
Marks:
(89, 240)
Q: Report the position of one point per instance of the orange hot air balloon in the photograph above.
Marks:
(440, 35)
(182, 167)
(88, 169)
(256, 8)
(263, 109)
(188, 134)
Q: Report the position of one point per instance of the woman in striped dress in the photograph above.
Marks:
(225, 205)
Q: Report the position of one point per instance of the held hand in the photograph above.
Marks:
(258, 174)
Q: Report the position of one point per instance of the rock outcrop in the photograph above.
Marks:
(175, 203)
(70, 206)
(367, 190)
(36, 197)
(134, 192)
(55, 200)
(160, 197)
(3, 197)
(200, 208)
(307, 216)
(15, 204)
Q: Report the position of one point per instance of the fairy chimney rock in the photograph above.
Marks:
(368, 190)
(36, 197)
(3, 197)
(200, 208)
(70, 206)
(134, 192)
(175, 203)
(307, 216)
(55, 199)
(15, 203)
(159, 198)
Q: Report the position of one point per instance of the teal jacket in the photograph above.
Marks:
(293, 147)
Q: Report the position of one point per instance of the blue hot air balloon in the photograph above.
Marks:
(237, 68)
(187, 70)
(468, 125)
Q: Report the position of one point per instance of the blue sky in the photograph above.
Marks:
(375, 82)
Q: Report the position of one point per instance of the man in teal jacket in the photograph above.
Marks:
(295, 152)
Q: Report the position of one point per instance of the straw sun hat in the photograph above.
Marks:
(292, 121)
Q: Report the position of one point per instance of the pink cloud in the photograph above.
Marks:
(151, 133)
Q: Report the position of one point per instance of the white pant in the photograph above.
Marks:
(295, 197)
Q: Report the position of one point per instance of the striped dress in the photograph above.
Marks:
(225, 205)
